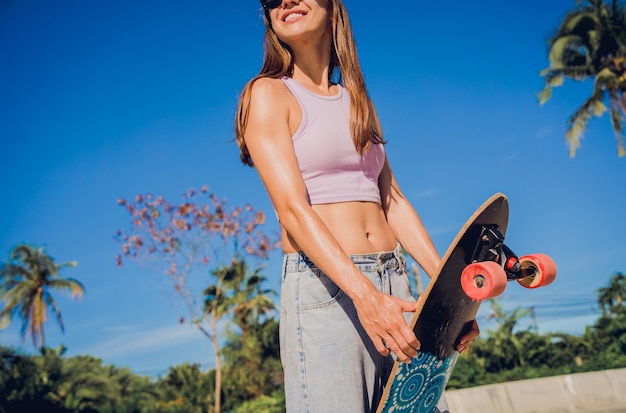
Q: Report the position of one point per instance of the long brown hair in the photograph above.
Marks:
(344, 63)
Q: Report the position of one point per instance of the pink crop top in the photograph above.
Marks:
(332, 169)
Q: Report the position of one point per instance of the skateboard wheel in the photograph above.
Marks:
(482, 280)
(545, 270)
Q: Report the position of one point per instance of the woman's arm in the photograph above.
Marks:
(269, 142)
(406, 224)
(409, 230)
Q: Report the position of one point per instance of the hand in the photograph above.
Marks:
(466, 339)
(382, 318)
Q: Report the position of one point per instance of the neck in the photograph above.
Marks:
(312, 64)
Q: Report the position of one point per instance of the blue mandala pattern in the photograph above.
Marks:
(417, 387)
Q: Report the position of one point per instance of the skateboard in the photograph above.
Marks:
(476, 267)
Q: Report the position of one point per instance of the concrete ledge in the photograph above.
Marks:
(595, 392)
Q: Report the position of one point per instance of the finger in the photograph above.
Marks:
(466, 340)
(408, 342)
(470, 335)
(407, 306)
(405, 342)
(462, 348)
(381, 346)
(473, 332)
(400, 331)
(390, 345)
(406, 332)
(397, 350)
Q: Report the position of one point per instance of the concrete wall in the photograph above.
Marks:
(596, 392)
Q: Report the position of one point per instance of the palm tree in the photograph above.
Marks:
(612, 297)
(237, 291)
(26, 283)
(591, 43)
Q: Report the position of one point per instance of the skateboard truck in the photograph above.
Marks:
(491, 247)
(483, 279)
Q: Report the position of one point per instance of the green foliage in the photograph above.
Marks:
(590, 43)
(20, 386)
(185, 388)
(264, 404)
(27, 281)
(52, 383)
(252, 368)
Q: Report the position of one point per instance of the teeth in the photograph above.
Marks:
(293, 16)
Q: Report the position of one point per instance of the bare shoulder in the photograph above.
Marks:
(268, 90)
(269, 109)
(267, 134)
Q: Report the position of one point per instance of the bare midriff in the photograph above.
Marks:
(359, 227)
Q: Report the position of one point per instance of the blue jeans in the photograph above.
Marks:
(330, 363)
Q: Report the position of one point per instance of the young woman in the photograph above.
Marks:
(307, 124)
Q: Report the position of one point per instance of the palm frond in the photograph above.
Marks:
(13, 271)
(616, 121)
(577, 123)
(584, 23)
(606, 79)
(47, 297)
(22, 252)
(5, 320)
(70, 264)
(553, 79)
(73, 286)
(568, 51)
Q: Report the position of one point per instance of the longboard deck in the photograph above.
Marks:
(444, 311)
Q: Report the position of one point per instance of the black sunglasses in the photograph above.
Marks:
(270, 4)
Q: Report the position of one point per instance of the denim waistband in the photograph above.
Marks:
(298, 261)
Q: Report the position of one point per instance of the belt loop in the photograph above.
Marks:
(296, 261)
(379, 261)
(401, 257)
(285, 259)
(302, 261)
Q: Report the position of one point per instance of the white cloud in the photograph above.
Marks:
(132, 341)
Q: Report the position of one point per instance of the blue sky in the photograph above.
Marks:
(101, 100)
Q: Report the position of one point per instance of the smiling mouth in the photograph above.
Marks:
(293, 16)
